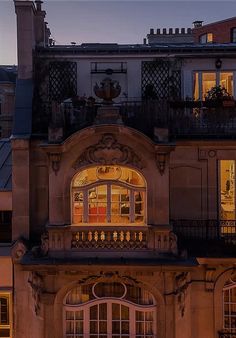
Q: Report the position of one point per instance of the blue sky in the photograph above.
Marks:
(110, 21)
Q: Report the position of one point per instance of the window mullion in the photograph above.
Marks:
(132, 206)
(109, 203)
(85, 199)
(217, 78)
(200, 85)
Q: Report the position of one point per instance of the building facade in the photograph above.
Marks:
(123, 190)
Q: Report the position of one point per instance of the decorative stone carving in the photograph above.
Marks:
(36, 282)
(18, 250)
(161, 159)
(181, 281)
(108, 151)
(55, 159)
(109, 276)
(108, 90)
(173, 243)
(42, 250)
(210, 278)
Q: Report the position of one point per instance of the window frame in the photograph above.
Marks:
(109, 301)
(233, 35)
(217, 73)
(109, 183)
(8, 326)
(227, 288)
(207, 38)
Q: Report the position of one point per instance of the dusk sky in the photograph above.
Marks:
(110, 21)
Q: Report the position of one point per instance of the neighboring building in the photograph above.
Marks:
(123, 220)
(217, 32)
(7, 99)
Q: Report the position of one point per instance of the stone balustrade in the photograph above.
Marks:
(82, 238)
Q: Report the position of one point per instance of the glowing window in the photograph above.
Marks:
(5, 320)
(206, 38)
(108, 194)
(109, 310)
(229, 305)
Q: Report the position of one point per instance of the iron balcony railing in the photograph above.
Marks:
(223, 334)
(206, 236)
(182, 119)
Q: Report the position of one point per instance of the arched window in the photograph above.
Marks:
(109, 310)
(108, 194)
(229, 305)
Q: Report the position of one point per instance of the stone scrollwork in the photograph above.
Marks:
(18, 250)
(109, 276)
(210, 278)
(36, 282)
(108, 151)
(42, 250)
(182, 283)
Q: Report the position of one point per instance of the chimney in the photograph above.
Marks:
(40, 32)
(164, 31)
(25, 13)
(144, 41)
(158, 31)
(182, 30)
(170, 31)
(176, 30)
(197, 24)
(151, 31)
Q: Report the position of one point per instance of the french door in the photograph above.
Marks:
(109, 319)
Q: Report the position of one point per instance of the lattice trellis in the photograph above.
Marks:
(162, 78)
(62, 80)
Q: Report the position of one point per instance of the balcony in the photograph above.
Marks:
(192, 120)
(223, 334)
(207, 237)
(71, 240)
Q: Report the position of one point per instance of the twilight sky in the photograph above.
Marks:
(111, 21)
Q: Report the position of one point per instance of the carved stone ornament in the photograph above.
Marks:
(210, 278)
(109, 276)
(181, 281)
(161, 159)
(36, 282)
(42, 250)
(173, 243)
(108, 151)
(55, 159)
(18, 250)
(108, 90)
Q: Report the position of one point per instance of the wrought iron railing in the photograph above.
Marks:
(182, 119)
(206, 230)
(223, 334)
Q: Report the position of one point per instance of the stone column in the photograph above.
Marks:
(20, 188)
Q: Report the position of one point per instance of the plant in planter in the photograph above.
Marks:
(218, 96)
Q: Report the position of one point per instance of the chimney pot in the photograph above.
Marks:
(176, 30)
(164, 30)
(182, 30)
(170, 31)
(158, 31)
(151, 31)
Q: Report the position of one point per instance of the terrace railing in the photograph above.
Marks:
(182, 119)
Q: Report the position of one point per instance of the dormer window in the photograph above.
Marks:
(233, 35)
(206, 38)
(107, 195)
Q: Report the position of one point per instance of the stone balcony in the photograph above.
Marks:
(72, 240)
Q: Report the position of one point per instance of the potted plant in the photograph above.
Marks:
(218, 96)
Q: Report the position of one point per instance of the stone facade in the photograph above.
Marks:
(172, 254)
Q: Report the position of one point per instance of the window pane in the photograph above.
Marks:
(196, 94)
(208, 81)
(227, 191)
(4, 311)
(226, 81)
